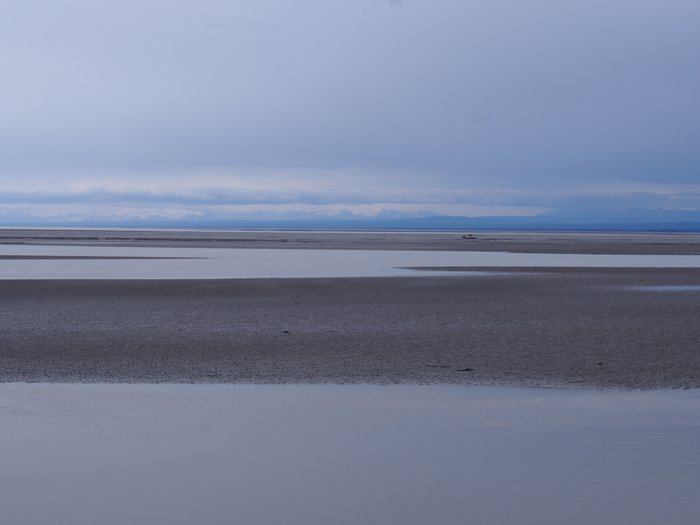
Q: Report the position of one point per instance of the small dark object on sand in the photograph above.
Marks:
(465, 370)
(286, 332)
(468, 236)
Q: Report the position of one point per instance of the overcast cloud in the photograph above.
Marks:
(487, 107)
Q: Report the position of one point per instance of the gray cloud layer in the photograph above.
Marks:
(542, 99)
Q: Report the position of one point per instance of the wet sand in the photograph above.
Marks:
(573, 327)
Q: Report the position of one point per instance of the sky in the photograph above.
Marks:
(196, 109)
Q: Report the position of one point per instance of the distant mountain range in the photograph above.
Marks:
(629, 220)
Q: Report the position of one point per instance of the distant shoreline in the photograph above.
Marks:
(614, 243)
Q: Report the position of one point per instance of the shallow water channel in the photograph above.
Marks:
(100, 262)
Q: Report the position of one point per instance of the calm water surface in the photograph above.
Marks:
(667, 288)
(286, 454)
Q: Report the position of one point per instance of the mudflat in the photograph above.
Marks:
(572, 327)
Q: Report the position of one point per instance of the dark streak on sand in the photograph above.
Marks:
(82, 257)
(575, 327)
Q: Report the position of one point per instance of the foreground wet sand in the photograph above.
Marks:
(573, 327)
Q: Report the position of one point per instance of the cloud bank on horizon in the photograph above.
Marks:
(126, 110)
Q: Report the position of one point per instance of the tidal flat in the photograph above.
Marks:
(163, 306)
(552, 380)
